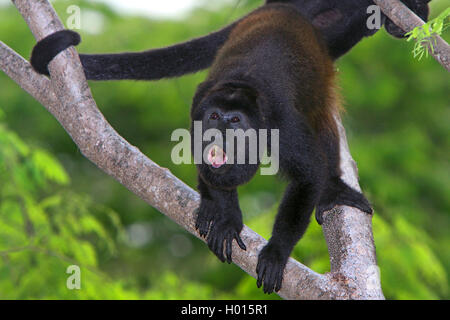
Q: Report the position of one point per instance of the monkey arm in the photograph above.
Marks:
(219, 220)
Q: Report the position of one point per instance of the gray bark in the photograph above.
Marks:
(67, 97)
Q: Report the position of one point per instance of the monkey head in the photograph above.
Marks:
(229, 120)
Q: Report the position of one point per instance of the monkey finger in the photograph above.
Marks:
(200, 225)
(364, 207)
(260, 270)
(213, 246)
(219, 249)
(240, 243)
(259, 281)
(229, 248)
(269, 281)
(201, 232)
(203, 228)
(279, 280)
(319, 217)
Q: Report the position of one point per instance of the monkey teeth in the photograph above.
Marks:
(217, 157)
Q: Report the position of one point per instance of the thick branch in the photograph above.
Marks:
(408, 20)
(68, 98)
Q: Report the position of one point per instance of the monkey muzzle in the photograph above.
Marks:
(217, 157)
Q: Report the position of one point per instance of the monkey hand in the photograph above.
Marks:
(219, 230)
(49, 47)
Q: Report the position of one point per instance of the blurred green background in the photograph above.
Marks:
(57, 209)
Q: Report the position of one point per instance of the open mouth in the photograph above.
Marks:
(217, 157)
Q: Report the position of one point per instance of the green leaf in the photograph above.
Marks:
(50, 167)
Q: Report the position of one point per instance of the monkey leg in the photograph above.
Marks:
(290, 225)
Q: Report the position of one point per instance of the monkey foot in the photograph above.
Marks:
(271, 264)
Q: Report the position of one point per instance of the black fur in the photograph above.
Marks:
(341, 22)
(173, 61)
(272, 79)
(46, 49)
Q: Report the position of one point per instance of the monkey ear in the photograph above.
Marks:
(242, 91)
(201, 92)
(327, 18)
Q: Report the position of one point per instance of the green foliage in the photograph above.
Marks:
(57, 209)
(44, 232)
(425, 36)
(44, 227)
(409, 266)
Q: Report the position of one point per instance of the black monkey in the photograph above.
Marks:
(270, 70)
(341, 22)
(273, 72)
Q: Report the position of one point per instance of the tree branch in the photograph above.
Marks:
(403, 17)
(67, 96)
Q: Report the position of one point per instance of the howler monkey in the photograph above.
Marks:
(273, 72)
(343, 23)
(272, 69)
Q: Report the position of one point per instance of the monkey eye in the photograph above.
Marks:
(214, 116)
(235, 119)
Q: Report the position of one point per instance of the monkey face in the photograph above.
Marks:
(229, 139)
